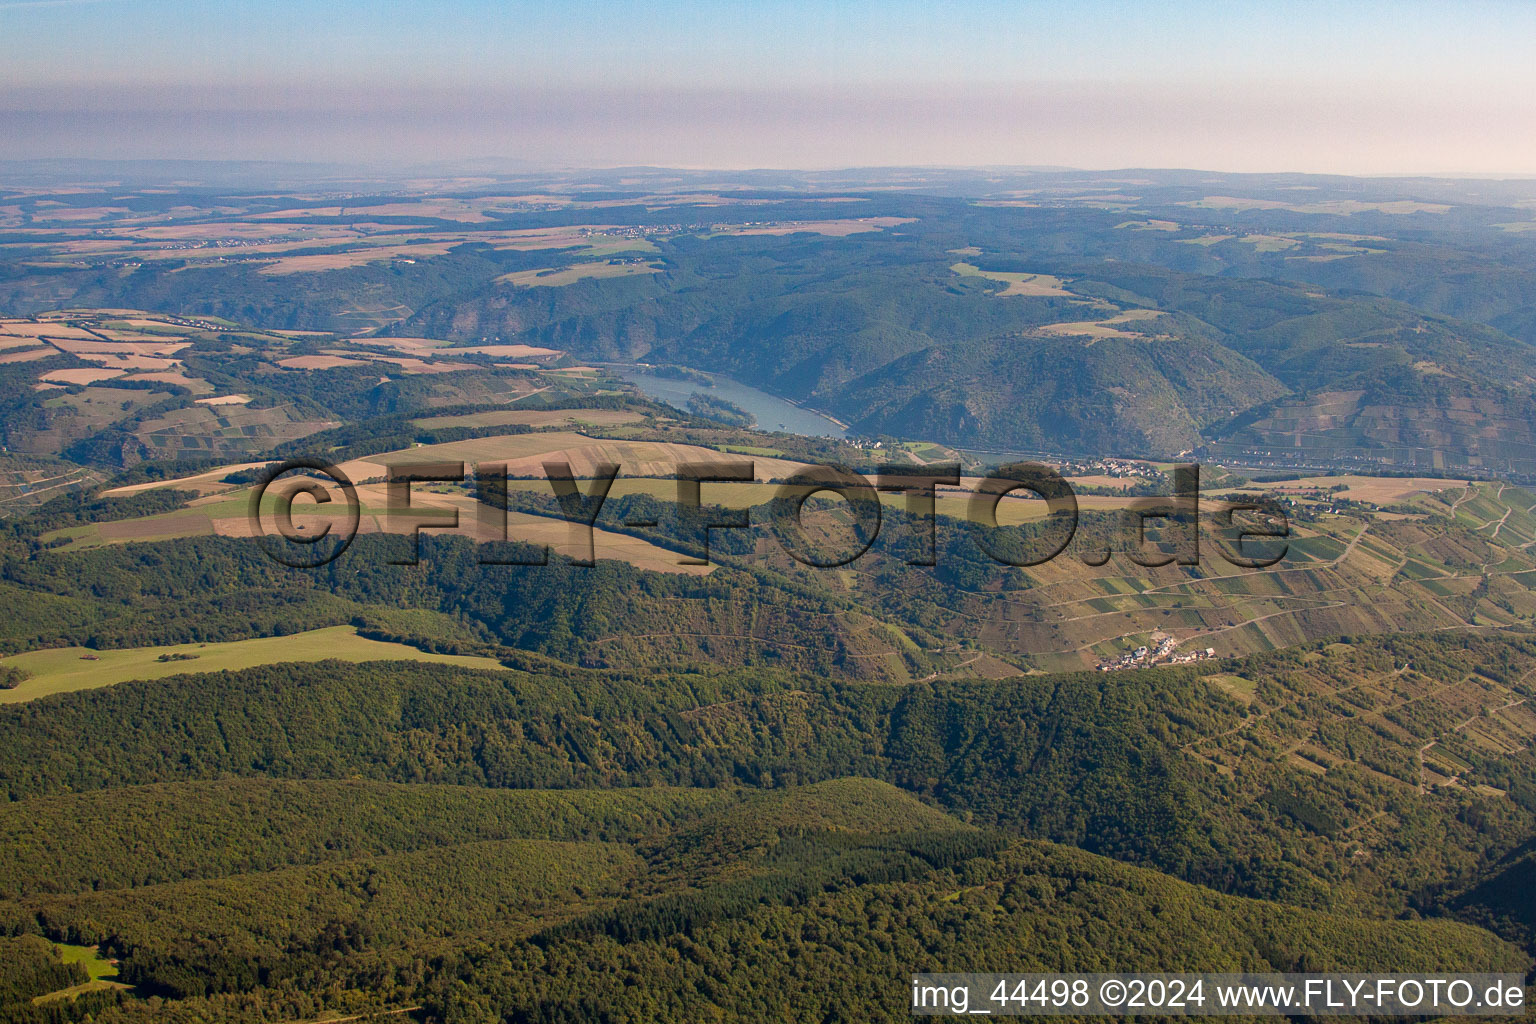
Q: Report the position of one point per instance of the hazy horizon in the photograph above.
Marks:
(1374, 89)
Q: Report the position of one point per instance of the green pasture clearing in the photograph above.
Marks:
(102, 972)
(96, 965)
(65, 669)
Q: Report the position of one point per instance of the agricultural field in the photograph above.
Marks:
(525, 455)
(1376, 490)
(101, 393)
(67, 669)
(1095, 330)
(1345, 207)
(556, 278)
(535, 418)
(226, 513)
(840, 228)
(1037, 285)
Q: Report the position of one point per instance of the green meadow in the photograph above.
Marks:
(66, 669)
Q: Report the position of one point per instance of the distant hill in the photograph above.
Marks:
(1243, 313)
(1074, 393)
(1114, 356)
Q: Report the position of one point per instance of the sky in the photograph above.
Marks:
(1349, 86)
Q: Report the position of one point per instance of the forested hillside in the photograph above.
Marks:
(116, 794)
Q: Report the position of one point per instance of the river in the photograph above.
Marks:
(772, 413)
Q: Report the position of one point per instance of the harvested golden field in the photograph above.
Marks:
(26, 329)
(558, 277)
(225, 400)
(128, 361)
(194, 384)
(318, 362)
(151, 347)
(1037, 285)
(83, 375)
